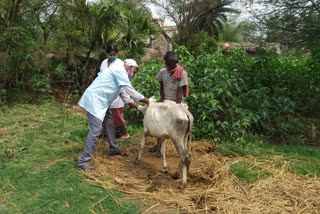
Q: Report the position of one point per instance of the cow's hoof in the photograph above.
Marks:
(182, 186)
(164, 170)
(175, 176)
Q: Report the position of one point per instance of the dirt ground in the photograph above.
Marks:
(211, 186)
(150, 165)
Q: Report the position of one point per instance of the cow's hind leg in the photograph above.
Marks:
(178, 172)
(189, 151)
(141, 146)
(183, 162)
(163, 152)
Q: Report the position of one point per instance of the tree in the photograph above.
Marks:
(30, 28)
(295, 23)
(201, 43)
(86, 27)
(251, 32)
(244, 31)
(45, 11)
(18, 43)
(136, 28)
(196, 16)
(126, 23)
(232, 32)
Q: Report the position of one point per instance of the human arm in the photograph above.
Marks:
(161, 91)
(136, 95)
(140, 108)
(132, 92)
(179, 94)
(123, 81)
(159, 77)
(183, 84)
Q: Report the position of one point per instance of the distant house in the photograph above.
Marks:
(159, 45)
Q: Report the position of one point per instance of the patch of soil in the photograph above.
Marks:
(63, 95)
(66, 95)
(149, 167)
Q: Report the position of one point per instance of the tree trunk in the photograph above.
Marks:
(86, 64)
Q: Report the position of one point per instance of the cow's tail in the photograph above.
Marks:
(188, 135)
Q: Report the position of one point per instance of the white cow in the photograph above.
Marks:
(170, 120)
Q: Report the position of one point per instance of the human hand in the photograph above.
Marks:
(152, 100)
(142, 109)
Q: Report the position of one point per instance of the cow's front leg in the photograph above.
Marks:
(141, 147)
(163, 152)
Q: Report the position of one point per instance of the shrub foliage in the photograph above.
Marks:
(232, 95)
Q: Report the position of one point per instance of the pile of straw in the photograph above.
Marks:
(211, 187)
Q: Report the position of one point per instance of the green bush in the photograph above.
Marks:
(201, 43)
(21, 54)
(39, 83)
(232, 95)
(3, 101)
(60, 71)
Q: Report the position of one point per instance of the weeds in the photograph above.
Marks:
(248, 173)
(302, 159)
(38, 153)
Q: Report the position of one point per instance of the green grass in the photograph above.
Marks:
(247, 173)
(302, 159)
(39, 146)
(136, 130)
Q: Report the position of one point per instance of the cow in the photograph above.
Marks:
(173, 121)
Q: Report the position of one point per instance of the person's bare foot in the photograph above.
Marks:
(123, 137)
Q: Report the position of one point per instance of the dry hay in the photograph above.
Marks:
(211, 187)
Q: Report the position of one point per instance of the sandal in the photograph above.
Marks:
(154, 148)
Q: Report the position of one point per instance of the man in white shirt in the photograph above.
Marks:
(96, 101)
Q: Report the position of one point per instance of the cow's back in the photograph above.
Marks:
(165, 119)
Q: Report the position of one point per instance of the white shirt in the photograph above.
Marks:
(124, 97)
(117, 103)
(104, 89)
(104, 64)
